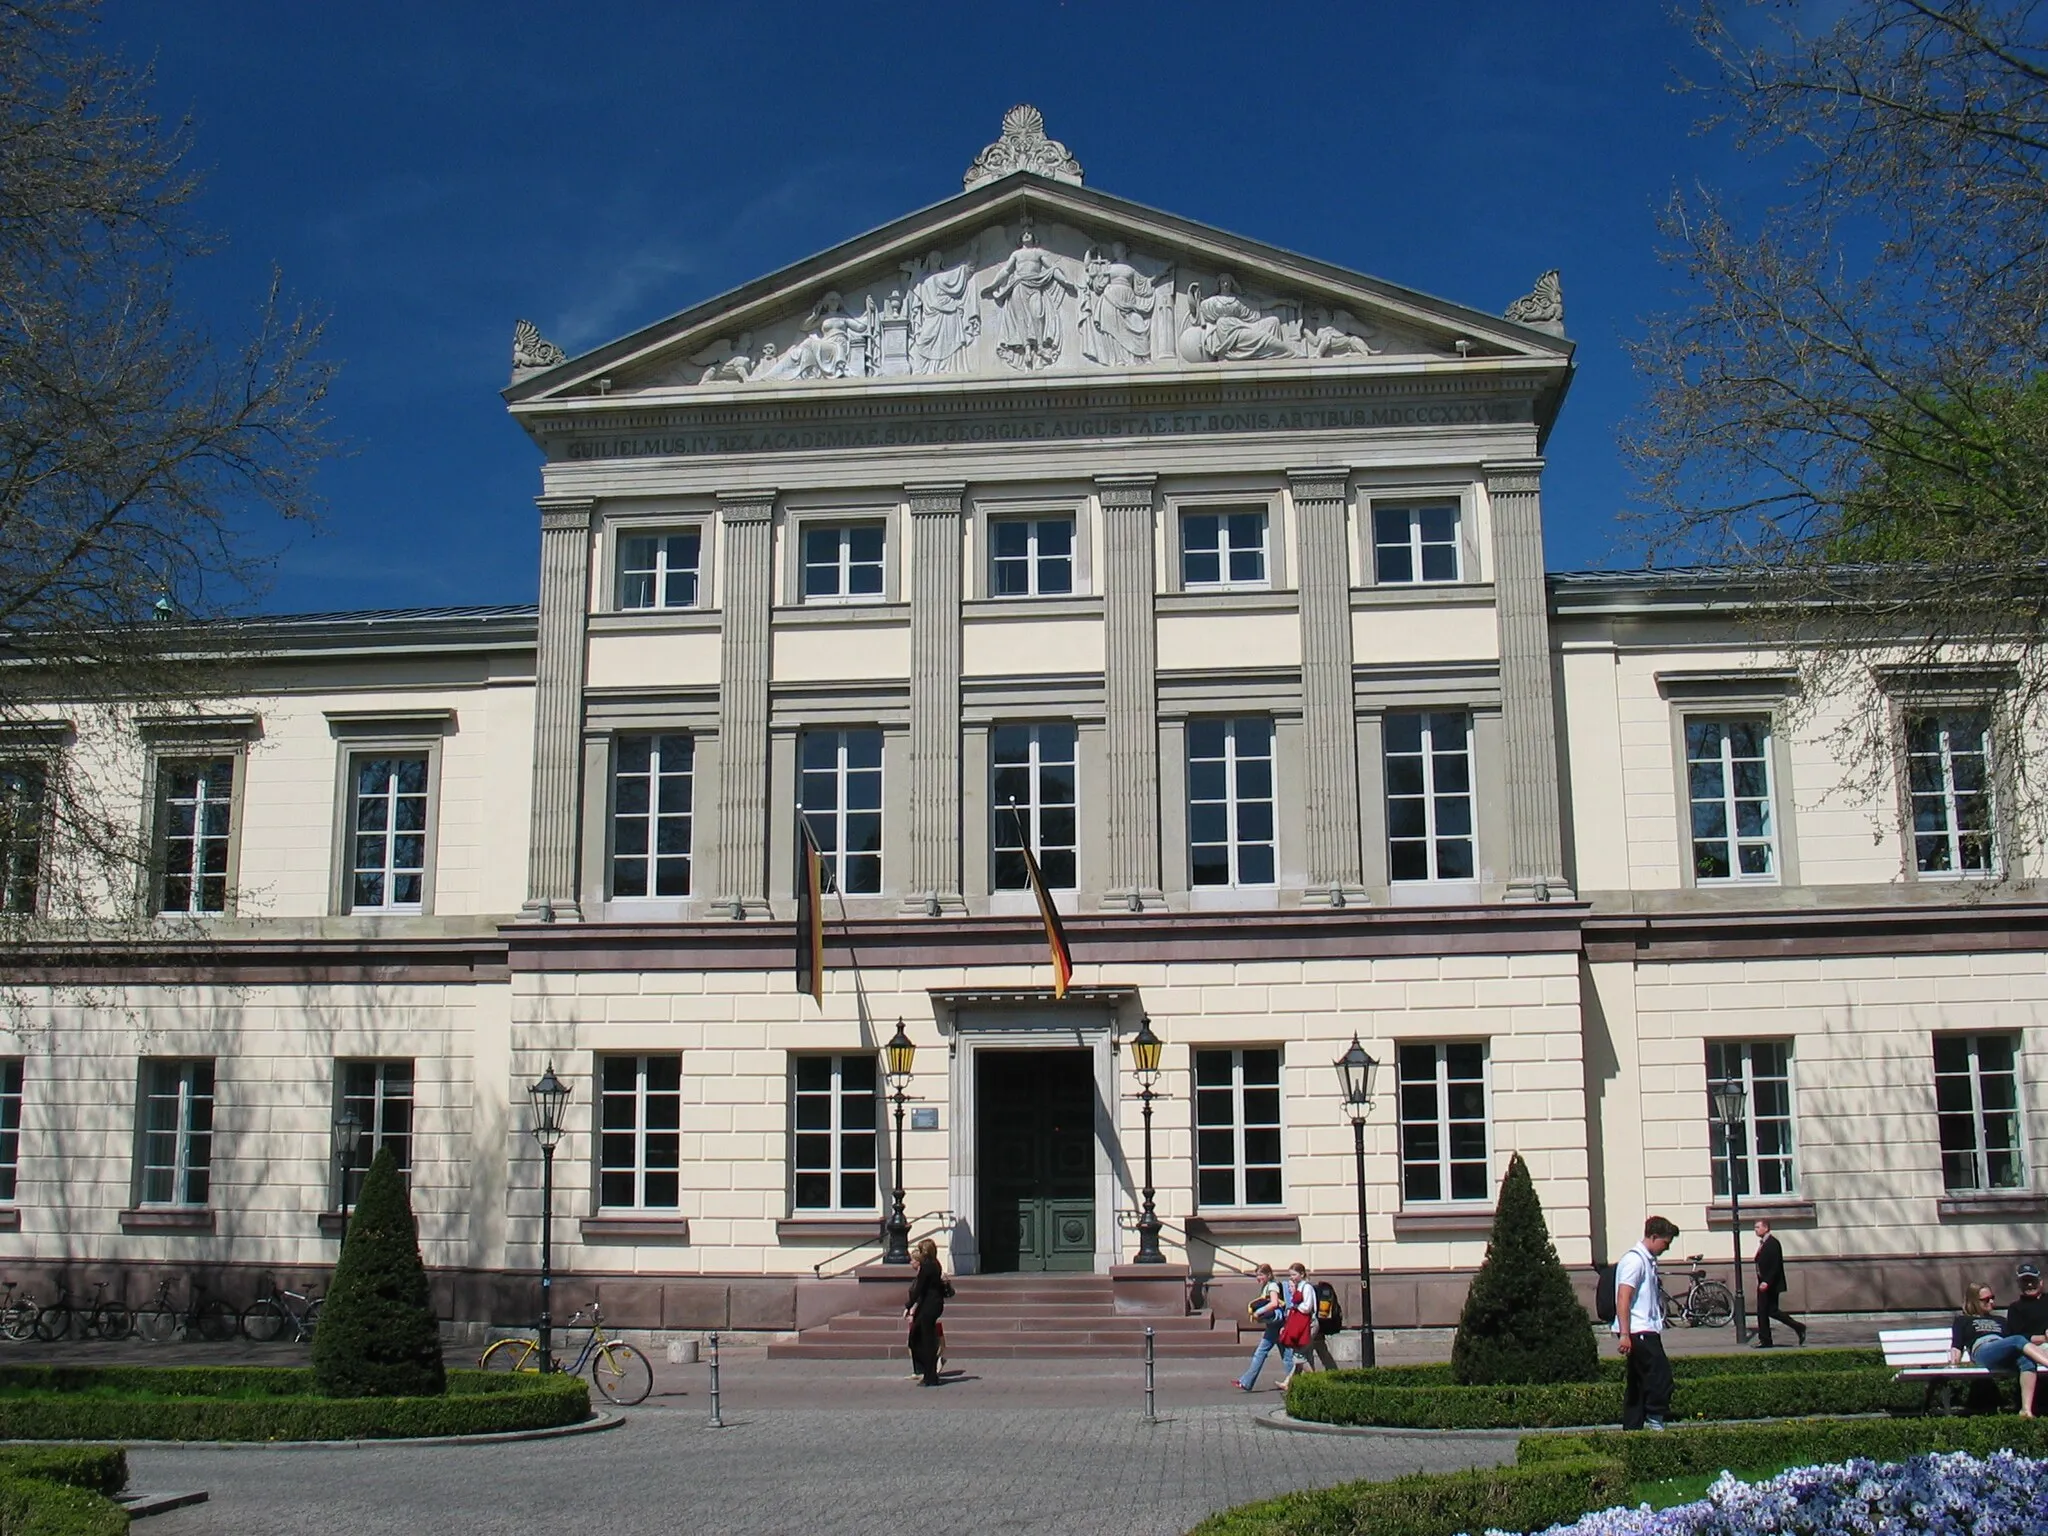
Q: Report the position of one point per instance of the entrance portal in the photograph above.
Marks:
(1035, 1152)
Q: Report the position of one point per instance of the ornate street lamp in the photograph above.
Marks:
(550, 1096)
(898, 1056)
(346, 1140)
(1731, 1107)
(1355, 1073)
(1145, 1051)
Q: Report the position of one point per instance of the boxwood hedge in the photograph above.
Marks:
(1530, 1498)
(1710, 1448)
(62, 1491)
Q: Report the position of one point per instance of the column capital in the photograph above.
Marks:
(936, 500)
(749, 506)
(1319, 484)
(1127, 490)
(565, 512)
(1516, 475)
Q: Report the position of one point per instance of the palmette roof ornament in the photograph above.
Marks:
(531, 350)
(1023, 147)
(1542, 306)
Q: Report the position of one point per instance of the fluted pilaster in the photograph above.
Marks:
(1328, 713)
(747, 594)
(1130, 692)
(935, 545)
(558, 710)
(1528, 710)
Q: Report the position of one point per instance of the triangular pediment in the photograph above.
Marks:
(1023, 277)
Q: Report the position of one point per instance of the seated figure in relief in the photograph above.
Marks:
(1117, 302)
(1225, 329)
(827, 351)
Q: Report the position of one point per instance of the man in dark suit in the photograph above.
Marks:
(1770, 1288)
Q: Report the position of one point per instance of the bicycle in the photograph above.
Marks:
(1706, 1303)
(18, 1315)
(267, 1317)
(617, 1369)
(105, 1317)
(212, 1320)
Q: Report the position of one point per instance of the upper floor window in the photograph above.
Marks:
(388, 833)
(1031, 556)
(195, 798)
(1948, 770)
(651, 798)
(840, 791)
(1230, 801)
(833, 1161)
(1238, 1159)
(659, 570)
(1222, 549)
(1977, 1104)
(380, 1094)
(1034, 773)
(1443, 1122)
(1728, 782)
(10, 1128)
(1429, 797)
(21, 836)
(843, 562)
(177, 1132)
(1763, 1157)
(1414, 544)
(640, 1132)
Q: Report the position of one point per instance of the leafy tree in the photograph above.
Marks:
(1522, 1321)
(378, 1336)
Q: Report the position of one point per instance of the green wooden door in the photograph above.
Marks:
(1035, 1159)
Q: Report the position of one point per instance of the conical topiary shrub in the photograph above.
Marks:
(377, 1334)
(1522, 1320)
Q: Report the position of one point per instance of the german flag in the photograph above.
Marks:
(1055, 935)
(810, 912)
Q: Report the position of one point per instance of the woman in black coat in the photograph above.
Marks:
(922, 1307)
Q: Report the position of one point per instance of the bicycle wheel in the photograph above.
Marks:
(512, 1355)
(53, 1324)
(621, 1373)
(1711, 1305)
(311, 1320)
(264, 1321)
(115, 1321)
(214, 1321)
(159, 1325)
(19, 1322)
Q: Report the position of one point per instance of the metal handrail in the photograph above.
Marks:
(943, 1218)
(1250, 1262)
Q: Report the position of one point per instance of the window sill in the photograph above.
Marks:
(1244, 1227)
(1433, 893)
(631, 621)
(1763, 1208)
(10, 1218)
(621, 1229)
(842, 610)
(332, 1223)
(1453, 1218)
(1226, 599)
(166, 1219)
(1053, 605)
(1409, 594)
(837, 1229)
(1994, 1203)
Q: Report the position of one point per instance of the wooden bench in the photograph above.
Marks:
(1922, 1354)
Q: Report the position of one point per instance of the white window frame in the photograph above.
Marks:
(1032, 809)
(1235, 801)
(658, 774)
(641, 1100)
(24, 834)
(203, 800)
(1415, 544)
(1033, 558)
(1979, 1151)
(661, 573)
(1733, 841)
(829, 824)
(1754, 1155)
(13, 1077)
(388, 868)
(380, 1115)
(1952, 835)
(186, 1164)
(837, 1167)
(1240, 1167)
(843, 529)
(1441, 1121)
(1225, 548)
(1432, 798)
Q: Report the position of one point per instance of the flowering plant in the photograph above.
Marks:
(1938, 1495)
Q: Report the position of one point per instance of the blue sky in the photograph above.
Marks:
(428, 173)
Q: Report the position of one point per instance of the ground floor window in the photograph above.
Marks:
(1977, 1103)
(380, 1095)
(177, 1132)
(1443, 1122)
(640, 1136)
(1762, 1161)
(10, 1127)
(837, 1141)
(1237, 1128)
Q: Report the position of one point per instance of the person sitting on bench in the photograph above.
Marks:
(1980, 1333)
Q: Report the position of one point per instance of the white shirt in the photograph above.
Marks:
(1638, 1268)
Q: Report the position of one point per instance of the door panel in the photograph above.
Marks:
(1035, 1158)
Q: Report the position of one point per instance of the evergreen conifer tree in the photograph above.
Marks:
(1522, 1322)
(378, 1336)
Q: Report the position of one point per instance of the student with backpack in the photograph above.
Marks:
(1316, 1300)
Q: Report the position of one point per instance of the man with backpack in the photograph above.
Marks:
(1639, 1328)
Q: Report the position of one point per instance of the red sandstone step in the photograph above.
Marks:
(1123, 1346)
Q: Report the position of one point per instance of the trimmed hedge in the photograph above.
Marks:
(62, 1491)
(265, 1403)
(1776, 1362)
(1712, 1448)
(1341, 1397)
(101, 1469)
(1522, 1321)
(1530, 1498)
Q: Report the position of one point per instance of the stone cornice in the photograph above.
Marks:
(1959, 928)
(261, 960)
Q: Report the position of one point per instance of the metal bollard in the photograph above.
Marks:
(716, 1421)
(1150, 1382)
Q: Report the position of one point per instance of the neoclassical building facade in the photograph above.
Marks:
(1213, 575)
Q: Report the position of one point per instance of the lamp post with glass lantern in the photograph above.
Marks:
(1145, 1051)
(1355, 1072)
(550, 1096)
(898, 1056)
(1731, 1105)
(346, 1137)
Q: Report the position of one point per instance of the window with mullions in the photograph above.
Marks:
(1764, 1069)
(1031, 557)
(388, 838)
(1443, 1122)
(1977, 1104)
(1414, 544)
(840, 790)
(659, 570)
(10, 1127)
(1222, 549)
(1034, 771)
(640, 1135)
(177, 1132)
(843, 562)
(381, 1094)
(651, 799)
(1230, 802)
(1429, 797)
(1948, 771)
(21, 835)
(836, 1144)
(1728, 783)
(1237, 1128)
(194, 805)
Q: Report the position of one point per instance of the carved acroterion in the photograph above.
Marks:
(531, 350)
(1542, 305)
(1023, 147)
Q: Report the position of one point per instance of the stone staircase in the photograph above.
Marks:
(1018, 1317)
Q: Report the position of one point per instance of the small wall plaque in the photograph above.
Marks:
(924, 1119)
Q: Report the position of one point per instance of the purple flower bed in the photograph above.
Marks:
(1940, 1495)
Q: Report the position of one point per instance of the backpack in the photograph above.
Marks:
(1603, 1294)
(1329, 1317)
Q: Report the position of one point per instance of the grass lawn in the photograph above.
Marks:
(1689, 1490)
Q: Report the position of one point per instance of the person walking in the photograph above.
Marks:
(1270, 1311)
(1770, 1288)
(1639, 1328)
(927, 1299)
(1313, 1353)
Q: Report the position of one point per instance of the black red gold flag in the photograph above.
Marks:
(1055, 935)
(810, 912)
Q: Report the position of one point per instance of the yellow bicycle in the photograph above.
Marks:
(617, 1369)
